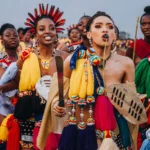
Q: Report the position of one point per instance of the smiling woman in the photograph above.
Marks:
(44, 24)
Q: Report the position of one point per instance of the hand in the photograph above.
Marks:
(25, 54)
(59, 111)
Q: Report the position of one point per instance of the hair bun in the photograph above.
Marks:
(147, 9)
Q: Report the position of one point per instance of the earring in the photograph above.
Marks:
(90, 41)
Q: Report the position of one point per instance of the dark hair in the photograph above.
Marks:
(147, 12)
(26, 30)
(20, 29)
(6, 26)
(117, 31)
(99, 13)
(71, 30)
(42, 17)
(85, 16)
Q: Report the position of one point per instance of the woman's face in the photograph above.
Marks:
(74, 35)
(46, 31)
(145, 25)
(82, 26)
(102, 25)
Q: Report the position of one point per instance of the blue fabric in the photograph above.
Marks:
(75, 57)
(145, 145)
(96, 83)
(6, 107)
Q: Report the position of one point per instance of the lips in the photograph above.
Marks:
(12, 42)
(105, 37)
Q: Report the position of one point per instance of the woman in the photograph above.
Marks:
(92, 72)
(142, 45)
(37, 71)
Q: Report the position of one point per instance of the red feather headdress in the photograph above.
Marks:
(55, 15)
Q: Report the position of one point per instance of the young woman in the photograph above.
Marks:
(37, 71)
(92, 72)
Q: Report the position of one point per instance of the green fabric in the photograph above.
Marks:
(142, 77)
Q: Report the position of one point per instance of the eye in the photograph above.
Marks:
(15, 35)
(98, 26)
(53, 28)
(110, 26)
(41, 29)
(143, 23)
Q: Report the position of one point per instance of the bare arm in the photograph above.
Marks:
(129, 52)
(67, 71)
(129, 71)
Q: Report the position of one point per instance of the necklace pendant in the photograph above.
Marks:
(45, 64)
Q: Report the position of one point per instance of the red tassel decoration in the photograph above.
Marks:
(32, 17)
(51, 12)
(36, 13)
(55, 15)
(14, 134)
(40, 9)
(46, 10)
(104, 114)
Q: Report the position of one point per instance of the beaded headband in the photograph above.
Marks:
(53, 14)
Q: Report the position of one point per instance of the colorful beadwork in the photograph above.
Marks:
(82, 54)
(95, 60)
(69, 103)
(24, 93)
(90, 99)
(105, 134)
(72, 120)
(81, 125)
(82, 102)
(90, 121)
(100, 90)
(75, 99)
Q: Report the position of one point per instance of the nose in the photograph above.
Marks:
(104, 29)
(12, 37)
(47, 30)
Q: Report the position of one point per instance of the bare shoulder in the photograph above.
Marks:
(63, 54)
(126, 61)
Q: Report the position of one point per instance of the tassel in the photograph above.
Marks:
(81, 139)
(104, 114)
(14, 134)
(91, 140)
(35, 134)
(3, 146)
(146, 143)
(69, 136)
(4, 129)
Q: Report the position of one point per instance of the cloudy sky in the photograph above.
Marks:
(124, 12)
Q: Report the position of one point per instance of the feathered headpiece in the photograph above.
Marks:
(55, 15)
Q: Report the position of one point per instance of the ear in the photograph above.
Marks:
(2, 42)
(89, 35)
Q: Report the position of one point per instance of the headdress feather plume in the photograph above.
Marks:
(55, 15)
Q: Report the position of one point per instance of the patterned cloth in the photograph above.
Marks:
(6, 107)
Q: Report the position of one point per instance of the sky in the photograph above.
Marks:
(123, 12)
